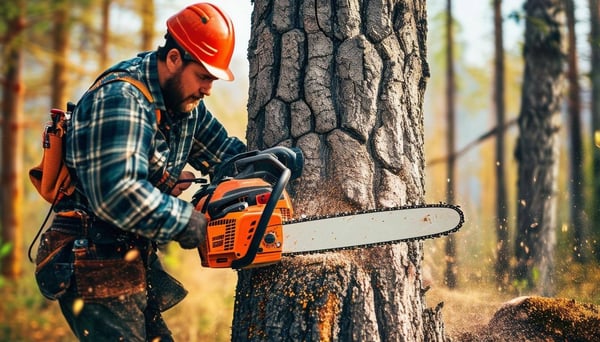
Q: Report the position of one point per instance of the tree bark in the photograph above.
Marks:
(537, 146)
(344, 81)
(11, 180)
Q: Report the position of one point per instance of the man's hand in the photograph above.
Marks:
(180, 187)
(194, 233)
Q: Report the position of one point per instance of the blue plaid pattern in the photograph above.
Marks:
(126, 162)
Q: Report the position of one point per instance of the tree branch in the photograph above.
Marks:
(473, 143)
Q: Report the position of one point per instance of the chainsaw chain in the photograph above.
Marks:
(370, 211)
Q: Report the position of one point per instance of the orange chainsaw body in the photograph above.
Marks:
(229, 235)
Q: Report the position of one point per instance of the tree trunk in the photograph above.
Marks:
(11, 181)
(537, 146)
(61, 39)
(576, 181)
(148, 19)
(450, 277)
(104, 36)
(595, 113)
(502, 267)
(346, 85)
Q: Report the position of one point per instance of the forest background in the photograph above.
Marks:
(206, 313)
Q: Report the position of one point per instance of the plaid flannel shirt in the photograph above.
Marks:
(126, 163)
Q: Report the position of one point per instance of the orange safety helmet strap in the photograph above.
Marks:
(206, 33)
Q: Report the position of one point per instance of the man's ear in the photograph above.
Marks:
(174, 60)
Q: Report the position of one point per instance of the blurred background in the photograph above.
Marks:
(102, 32)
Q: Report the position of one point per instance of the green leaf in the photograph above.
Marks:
(5, 249)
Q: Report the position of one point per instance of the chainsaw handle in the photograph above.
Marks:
(264, 166)
(270, 165)
(291, 158)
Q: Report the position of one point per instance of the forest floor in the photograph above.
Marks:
(206, 313)
(465, 310)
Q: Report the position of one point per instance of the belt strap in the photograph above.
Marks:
(96, 230)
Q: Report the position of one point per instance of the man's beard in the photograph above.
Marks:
(173, 95)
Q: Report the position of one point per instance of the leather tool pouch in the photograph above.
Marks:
(109, 278)
(51, 178)
(164, 290)
(54, 264)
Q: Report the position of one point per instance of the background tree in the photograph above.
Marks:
(502, 232)
(450, 277)
(12, 15)
(146, 8)
(537, 149)
(104, 35)
(345, 83)
(576, 179)
(594, 6)
(61, 45)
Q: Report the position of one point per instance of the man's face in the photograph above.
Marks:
(185, 89)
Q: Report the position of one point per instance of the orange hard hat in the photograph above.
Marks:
(205, 32)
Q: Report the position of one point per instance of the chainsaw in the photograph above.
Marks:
(251, 218)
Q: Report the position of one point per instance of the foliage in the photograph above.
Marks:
(522, 285)
(5, 248)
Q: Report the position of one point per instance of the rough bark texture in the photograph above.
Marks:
(537, 147)
(344, 81)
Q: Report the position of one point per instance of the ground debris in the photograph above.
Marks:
(540, 319)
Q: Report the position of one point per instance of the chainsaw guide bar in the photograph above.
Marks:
(369, 228)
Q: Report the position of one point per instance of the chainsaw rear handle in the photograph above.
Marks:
(265, 166)
(239, 166)
(290, 157)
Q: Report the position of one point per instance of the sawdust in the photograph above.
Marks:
(539, 319)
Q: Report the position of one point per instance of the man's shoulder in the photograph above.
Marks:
(136, 67)
(135, 74)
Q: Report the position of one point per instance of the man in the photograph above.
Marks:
(126, 160)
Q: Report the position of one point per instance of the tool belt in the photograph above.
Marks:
(93, 258)
(95, 230)
(86, 255)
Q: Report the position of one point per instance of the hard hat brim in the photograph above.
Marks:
(221, 74)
